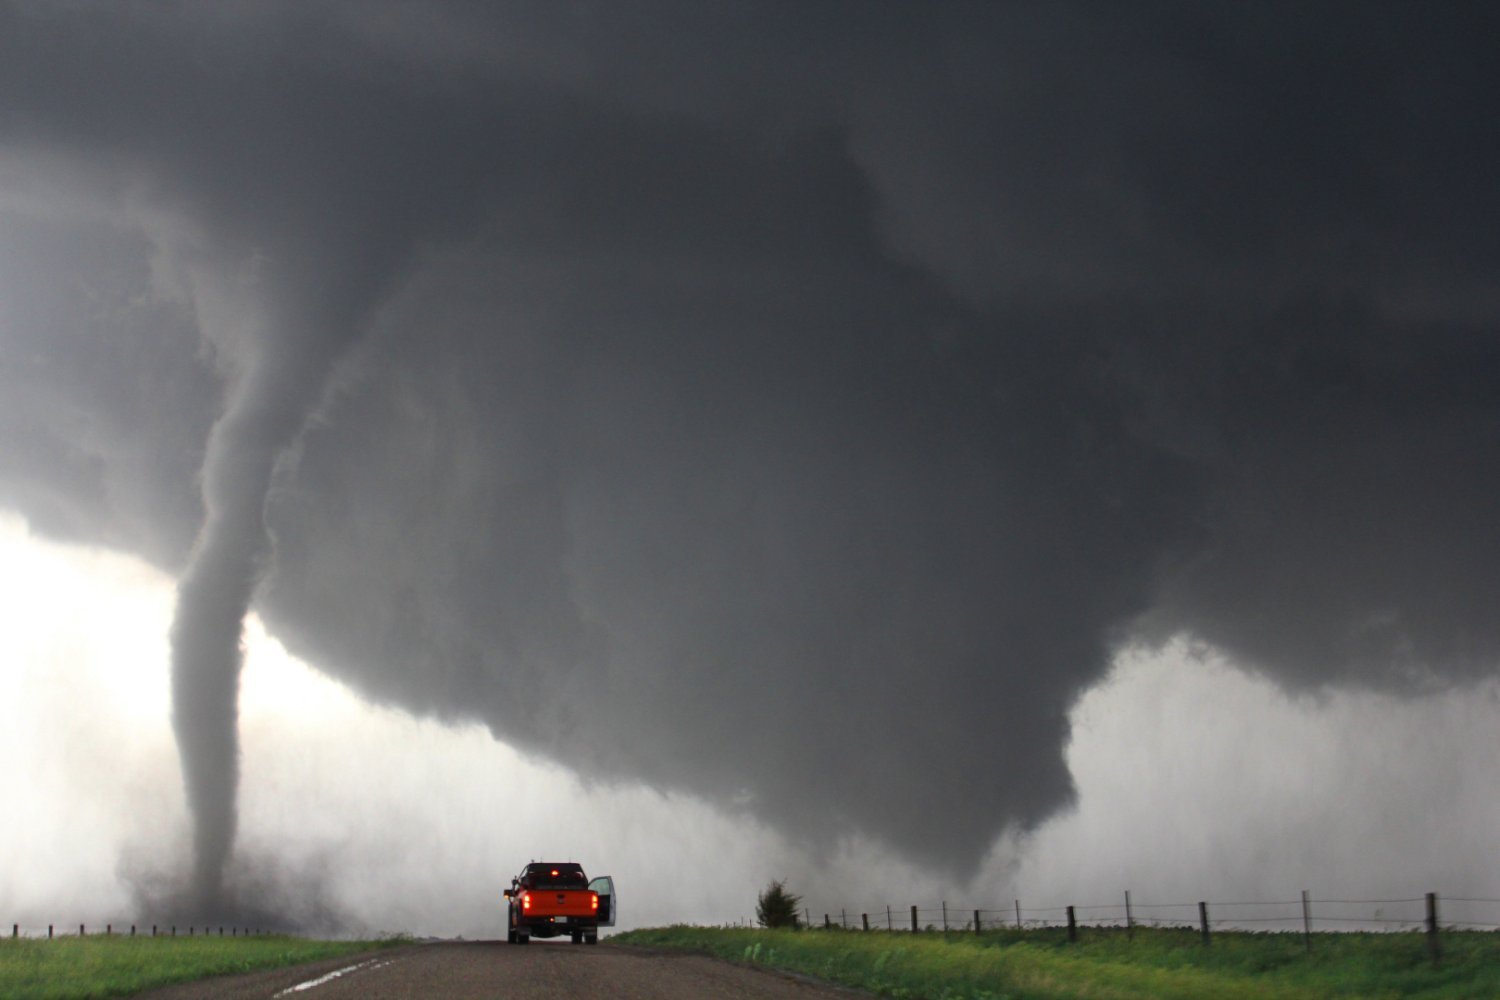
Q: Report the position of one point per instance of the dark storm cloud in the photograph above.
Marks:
(792, 405)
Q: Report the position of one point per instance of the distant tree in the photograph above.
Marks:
(777, 907)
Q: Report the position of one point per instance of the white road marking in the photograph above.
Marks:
(309, 984)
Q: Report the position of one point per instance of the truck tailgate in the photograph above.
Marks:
(559, 903)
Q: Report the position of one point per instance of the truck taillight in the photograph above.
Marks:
(525, 900)
(593, 901)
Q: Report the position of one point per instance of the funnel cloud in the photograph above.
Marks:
(795, 407)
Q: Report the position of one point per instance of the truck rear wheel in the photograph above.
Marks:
(591, 939)
(578, 937)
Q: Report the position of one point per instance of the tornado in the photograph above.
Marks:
(267, 405)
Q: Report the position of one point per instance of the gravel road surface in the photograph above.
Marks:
(483, 970)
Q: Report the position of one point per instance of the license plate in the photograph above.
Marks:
(559, 920)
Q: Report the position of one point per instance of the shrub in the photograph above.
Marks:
(777, 908)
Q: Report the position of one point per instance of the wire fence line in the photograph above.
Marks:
(1429, 912)
(51, 931)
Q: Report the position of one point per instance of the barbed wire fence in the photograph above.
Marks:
(52, 931)
(1430, 913)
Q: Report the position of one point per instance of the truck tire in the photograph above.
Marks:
(591, 938)
(578, 937)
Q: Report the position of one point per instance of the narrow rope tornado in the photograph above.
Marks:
(278, 321)
(279, 328)
(263, 416)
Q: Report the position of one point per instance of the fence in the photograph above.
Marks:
(155, 930)
(1304, 914)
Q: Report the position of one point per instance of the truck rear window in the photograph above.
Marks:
(558, 876)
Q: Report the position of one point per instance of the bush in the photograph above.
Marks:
(777, 908)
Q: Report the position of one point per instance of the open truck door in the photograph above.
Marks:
(604, 885)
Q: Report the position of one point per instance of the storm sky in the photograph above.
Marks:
(768, 404)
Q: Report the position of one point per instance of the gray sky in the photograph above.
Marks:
(763, 404)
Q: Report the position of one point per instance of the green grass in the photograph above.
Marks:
(1105, 965)
(74, 968)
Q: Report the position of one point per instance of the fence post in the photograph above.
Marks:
(945, 916)
(132, 930)
(914, 918)
(1018, 914)
(80, 930)
(1072, 927)
(1307, 921)
(827, 923)
(977, 927)
(864, 918)
(890, 924)
(1434, 946)
(49, 932)
(15, 930)
(1129, 919)
(1203, 919)
(844, 919)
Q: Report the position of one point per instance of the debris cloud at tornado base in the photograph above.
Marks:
(772, 430)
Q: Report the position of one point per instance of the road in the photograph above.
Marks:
(483, 970)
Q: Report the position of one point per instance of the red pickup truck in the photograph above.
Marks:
(552, 898)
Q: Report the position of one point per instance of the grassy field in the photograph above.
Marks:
(1156, 964)
(74, 968)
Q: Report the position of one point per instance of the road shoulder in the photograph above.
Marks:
(267, 982)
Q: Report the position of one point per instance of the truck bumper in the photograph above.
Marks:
(545, 927)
